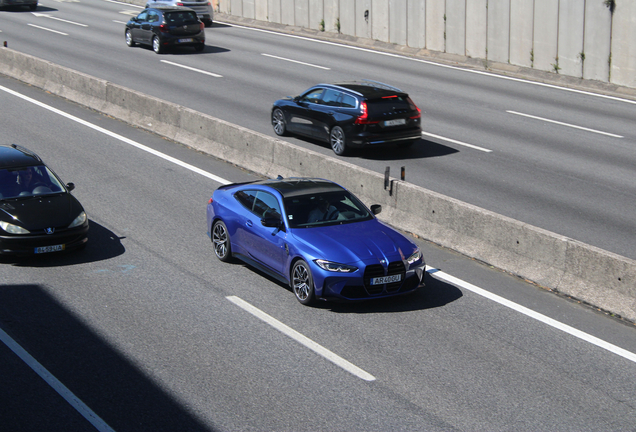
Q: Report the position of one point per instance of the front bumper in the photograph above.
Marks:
(30, 244)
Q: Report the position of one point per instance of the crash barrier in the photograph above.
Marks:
(595, 276)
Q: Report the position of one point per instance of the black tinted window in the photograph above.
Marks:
(348, 101)
(314, 96)
(177, 18)
(388, 104)
(330, 97)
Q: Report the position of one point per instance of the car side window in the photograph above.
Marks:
(266, 205)
(143, 16)
(331, 97)
(348, 101)
(153, 17)
(246, 198)
(314, 96)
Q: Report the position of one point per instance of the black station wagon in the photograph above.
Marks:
(350, 115)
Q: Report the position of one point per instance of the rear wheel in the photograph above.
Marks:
(278, 121)
(221, 241)
(156, 45)
(129, 39)
(337, 141)
(302, 282)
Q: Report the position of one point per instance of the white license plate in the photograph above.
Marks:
(185, 40)
(47, 249)
(395, 122)
(386, 279)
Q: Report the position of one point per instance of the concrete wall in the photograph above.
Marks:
(579, 38)
(598, 277)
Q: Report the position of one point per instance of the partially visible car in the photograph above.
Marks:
(315, 236)
(165, 27)
(350, 115)
(38, 214)
(203, 8)
(31, 4)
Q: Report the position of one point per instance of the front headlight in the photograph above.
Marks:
(417, 255)
(13, 229)
(335, 267)
(79, 220)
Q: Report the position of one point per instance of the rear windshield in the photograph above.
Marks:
(178, 18)
(388, 104)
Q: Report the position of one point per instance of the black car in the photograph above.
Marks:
(350, 115)
(165, 27)
(38, 214)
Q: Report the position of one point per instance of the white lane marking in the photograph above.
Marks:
(457, 142)
(596, 341)
(489, 74)
(58, 19)
(532, 314)
(119, 22)
(295, 61)
(303, 340)
(192, 69)
(120, 137)
(60, 388)
(565, 124)
(48, 29)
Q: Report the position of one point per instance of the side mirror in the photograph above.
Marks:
(70, 186)
(376, 209)
(271, 221)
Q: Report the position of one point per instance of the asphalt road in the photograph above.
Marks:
(144, 329)
(560, 160)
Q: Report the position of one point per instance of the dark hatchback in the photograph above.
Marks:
(38, 214)
(350, 115)
(166, 27)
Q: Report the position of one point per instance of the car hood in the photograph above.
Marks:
(367, 241)
(41, 212)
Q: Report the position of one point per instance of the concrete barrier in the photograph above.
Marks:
(595, 276)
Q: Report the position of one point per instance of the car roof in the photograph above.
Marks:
(367, 89)
(297, 186)
(171, 8)
(15, 156)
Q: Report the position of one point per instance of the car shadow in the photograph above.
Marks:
(423, 149)
(21, 8)
(433, 294)
(102, 244)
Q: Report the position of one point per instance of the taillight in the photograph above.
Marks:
(210, 201)
(163, 28)
(414, 108)
(363, 118)
(201, 26)
(179, 4)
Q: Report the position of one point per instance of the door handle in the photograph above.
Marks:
(248, 223)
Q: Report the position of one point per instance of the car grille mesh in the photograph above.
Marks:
(377, 270)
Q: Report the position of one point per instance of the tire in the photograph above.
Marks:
(129, 39)
(302, 283)
(199, 47)
(33, 7)
(156, 45)
(337, 141)
(278, 122)
(221, 241)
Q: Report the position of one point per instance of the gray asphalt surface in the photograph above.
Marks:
(139, 327)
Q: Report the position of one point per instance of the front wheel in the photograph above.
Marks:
(221, 241)
(302, 282)
(129, 39)
(278, 121)
(337, 141)
(156, 45)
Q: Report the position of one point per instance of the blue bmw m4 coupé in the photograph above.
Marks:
(315, 236)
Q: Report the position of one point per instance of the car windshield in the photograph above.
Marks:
(28, 181)
(330, 208)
